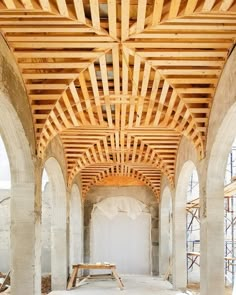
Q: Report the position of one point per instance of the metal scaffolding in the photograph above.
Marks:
(193, 234)
(193, 226)
(193, 222)
(230, 217)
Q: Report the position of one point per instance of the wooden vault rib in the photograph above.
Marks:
(94, 174)
(128, 78)
(147, 151)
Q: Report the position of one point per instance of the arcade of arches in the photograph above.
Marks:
(119, 101)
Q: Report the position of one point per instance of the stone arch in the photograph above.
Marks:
(23, 220)
(221, 134)
(16, 144)
(76, 226)
(179, 226)
(165, 231)
(214, 198)
(58, 224)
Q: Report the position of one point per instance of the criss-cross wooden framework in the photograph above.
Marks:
(120, 81)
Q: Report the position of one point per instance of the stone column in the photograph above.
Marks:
(59, 258)
(179, 245)
(76, 227)
(164, 239)
(59, 242)
(58, 224)
(212, 240)
(68, 197)
(38, 225)
(24, 241)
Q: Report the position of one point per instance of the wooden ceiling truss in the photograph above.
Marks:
(120, 81)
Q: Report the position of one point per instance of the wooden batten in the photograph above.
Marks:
(120, 181)
(120, 81)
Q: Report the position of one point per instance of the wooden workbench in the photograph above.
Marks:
(112, 275)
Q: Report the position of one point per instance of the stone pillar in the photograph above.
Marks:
(164, 241)
(212, 241)
(59, 258)
(59, 243)
(17, 131)
(46, 228)
(68, 197)
(154, 210)
(76, 227)
(165, 234)
(58, 224)
(38, 224)
(24, 242)
(179, 245)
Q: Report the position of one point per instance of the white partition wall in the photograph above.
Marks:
(122, 236)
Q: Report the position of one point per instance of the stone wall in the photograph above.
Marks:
(141, 193)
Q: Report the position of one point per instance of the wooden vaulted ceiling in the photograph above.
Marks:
(120, 81)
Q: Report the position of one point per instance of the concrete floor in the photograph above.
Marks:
(134, 285)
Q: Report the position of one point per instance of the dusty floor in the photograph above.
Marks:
(134, 285)
(195, 289)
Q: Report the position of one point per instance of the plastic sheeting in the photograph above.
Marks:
(110, 207)
(121, 234)
(123, 241)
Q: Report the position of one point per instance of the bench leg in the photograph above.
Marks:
(4, 282)
(73, 278)
(84, 280)
(118, 279)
